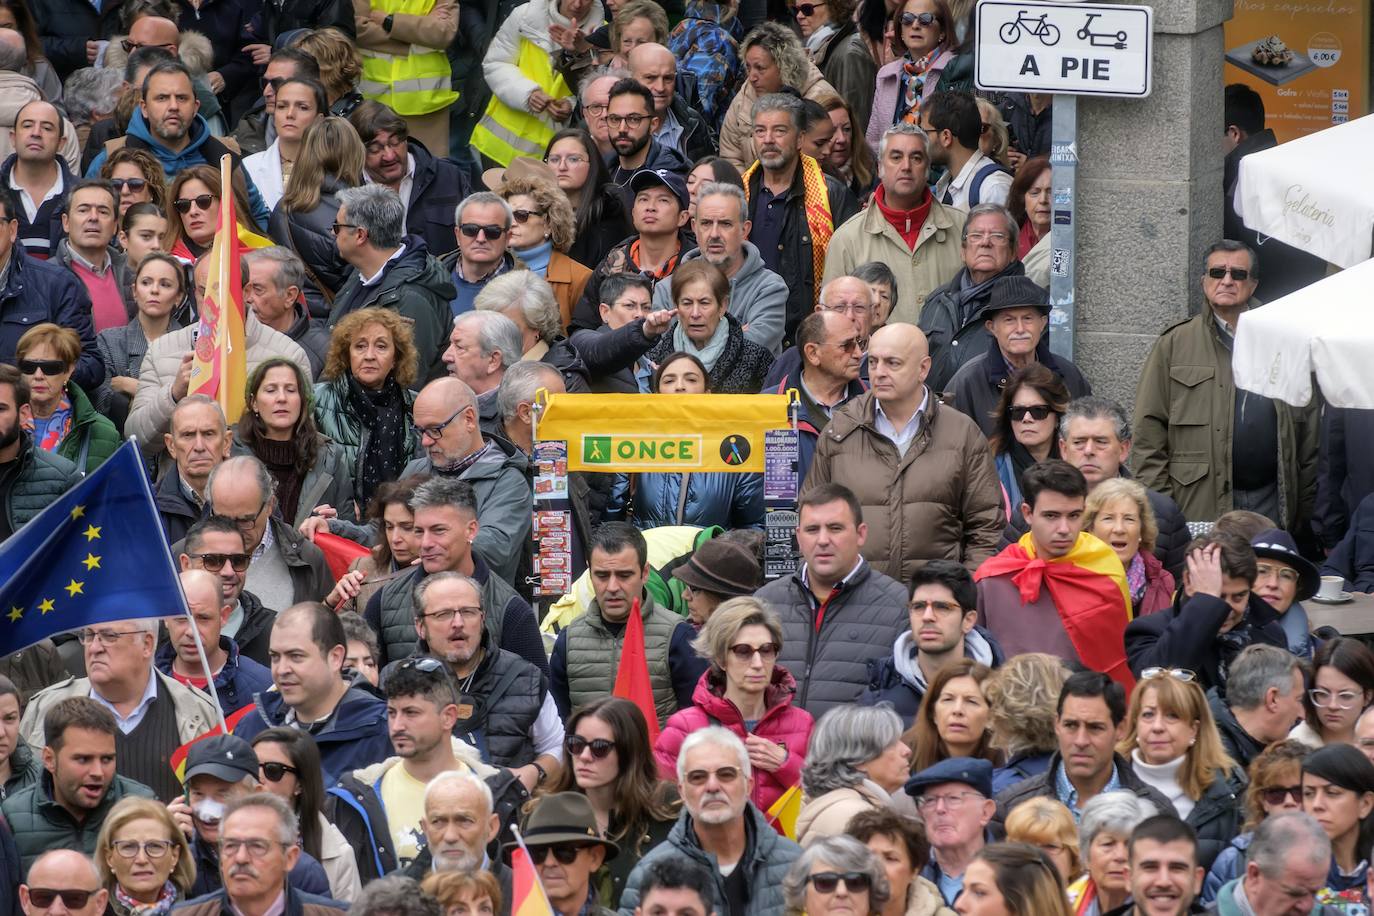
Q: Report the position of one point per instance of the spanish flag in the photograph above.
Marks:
(220, 369)
(178, 758)
(783, 814)
(339, 553)
(527, 893)
(1088, 588)
(632, 678)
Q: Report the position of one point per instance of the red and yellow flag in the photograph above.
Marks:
(632, 678)
(783, 814)
(178, 758)
(220, 368)
(527, 893)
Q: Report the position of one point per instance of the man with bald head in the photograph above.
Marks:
(832, 353)
(38, 176)
(445, 414)
(923, 472)
(63, 882)
(285, 568)
(237, 678)
(680, 126)
(156, 32)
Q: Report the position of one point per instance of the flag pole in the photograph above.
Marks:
(538, 882)
(185, 607)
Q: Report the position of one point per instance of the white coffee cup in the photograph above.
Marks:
(1331, 587)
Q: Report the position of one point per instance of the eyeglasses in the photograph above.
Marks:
(910, 19)
(436, 432)
(595, 111)
(1264, 570)
(44, 897)
(572, 161)
(490, 233)
(1276, 795)
(805, 9)
(954, 801)
(217, 560)
(841, 308)
(724, 776)
(257, 849)
(153, 849)
(745, 652)
(1324, 699)
(565, 853)
(273, 772)
(48, 366)
(275, 82)
(576, 744)
(826, 882)
(939, 607)
(998, 237)
(202, 202)
(132, 184)
(446, 616)
(1239, 274)
(105, 637)
(1178, 674)
(523, 216)
(1019, 412)
(635, 121)
(130, 46)
(335, 227)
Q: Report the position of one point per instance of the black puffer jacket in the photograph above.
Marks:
(66, 25)
(1240, 745)
(42, 478)
(438, 187)
(740, 369)
(310, 236)
(611, 355)
(1186, 636)
(1217, 816)
(509, 692)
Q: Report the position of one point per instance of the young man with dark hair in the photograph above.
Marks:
(90, 220)
(944, 611)
(1090, 719)
(630, 115)
(1215, 615)
(1078, 606)
(1165, 874)
(954, 125)
(673, 887)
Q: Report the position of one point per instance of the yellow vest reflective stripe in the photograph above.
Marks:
(417, 83)
(505, 133)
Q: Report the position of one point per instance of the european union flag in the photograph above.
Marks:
(96, 555)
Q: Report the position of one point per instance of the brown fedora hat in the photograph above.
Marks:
(722, 568)
(564, 817)
(520, 167)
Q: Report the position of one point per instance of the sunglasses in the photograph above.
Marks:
(724, 776)
(1239, 274)
(425, 663)
(1035, 412)
(1277, 794)
(910, 19)
(576, 744)
(565, 853)
(1178, 674)
(273, 772)
(133, 184)
(805, 9)
(275, 82)
(488, 232)
(48, 366)
(202, 202)
(44, 897)
(745, 652)
(217, 560)
(827, 881)
(523, 216)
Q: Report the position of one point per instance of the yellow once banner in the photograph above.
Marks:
(613, 433)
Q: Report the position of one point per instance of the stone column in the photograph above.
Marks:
(1149, 198)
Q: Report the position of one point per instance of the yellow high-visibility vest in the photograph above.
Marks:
(505, 133)
(417, 83)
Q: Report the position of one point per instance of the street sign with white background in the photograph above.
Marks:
(1075, 48)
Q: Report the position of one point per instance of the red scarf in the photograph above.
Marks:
(1089, 593)
(908, 223)
(1027, 240)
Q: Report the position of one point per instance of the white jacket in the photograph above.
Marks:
(265, 170)
(340, 863)
(532, 21)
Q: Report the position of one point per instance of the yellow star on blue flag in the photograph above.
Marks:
(50, 564)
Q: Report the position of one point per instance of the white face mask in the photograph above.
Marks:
(208, 811)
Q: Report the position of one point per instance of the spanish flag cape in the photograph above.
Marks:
(1088, 588)
(816, 200)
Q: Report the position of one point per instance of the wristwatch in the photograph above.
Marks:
(543, 773)
(388, 22)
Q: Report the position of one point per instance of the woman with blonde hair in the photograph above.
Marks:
(995, 140)
(636, 23)
(1174, 747)
(1049, 826)
(541, 234)
(341, 67)
(143, 859)
(64, 421)
(1118, 512)
(1023, 695)
(331, 159)
(462, 893)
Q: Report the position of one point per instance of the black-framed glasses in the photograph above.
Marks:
(217, 560)
(565, 853)
(201, 201)
(576, 744)
(335, 227)
(133, 184)
(806, 9)
(926, 19)
(1239, 274)
(436, 432)
(490, 232)
(445, 617)
(1178, 674)
(72, 899)
(130, 46)
(47, 366)
(523, 216)
(1019, 412)
(153, 849)
(1276, 794)
(826, 882)
(273, 771)
(634, 121)
(745, 652)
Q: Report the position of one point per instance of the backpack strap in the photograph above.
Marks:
(976, 186)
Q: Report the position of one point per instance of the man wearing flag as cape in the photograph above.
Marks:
(1058, 590)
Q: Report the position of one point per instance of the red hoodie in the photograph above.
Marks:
(908, 223)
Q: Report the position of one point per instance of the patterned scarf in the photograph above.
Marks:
(383, 415)
(819, 219)
(1135, 578)
(913, 83)
(166, 898)
(57, 426)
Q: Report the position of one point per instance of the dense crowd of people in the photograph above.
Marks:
(1041, 654)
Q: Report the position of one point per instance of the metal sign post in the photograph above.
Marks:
(1063, 246)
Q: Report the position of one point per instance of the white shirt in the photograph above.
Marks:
(953, 191)
(403, 189)
(903, 437)
(548, 730)
(375, 278)
(30, 205)
(131, 721)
